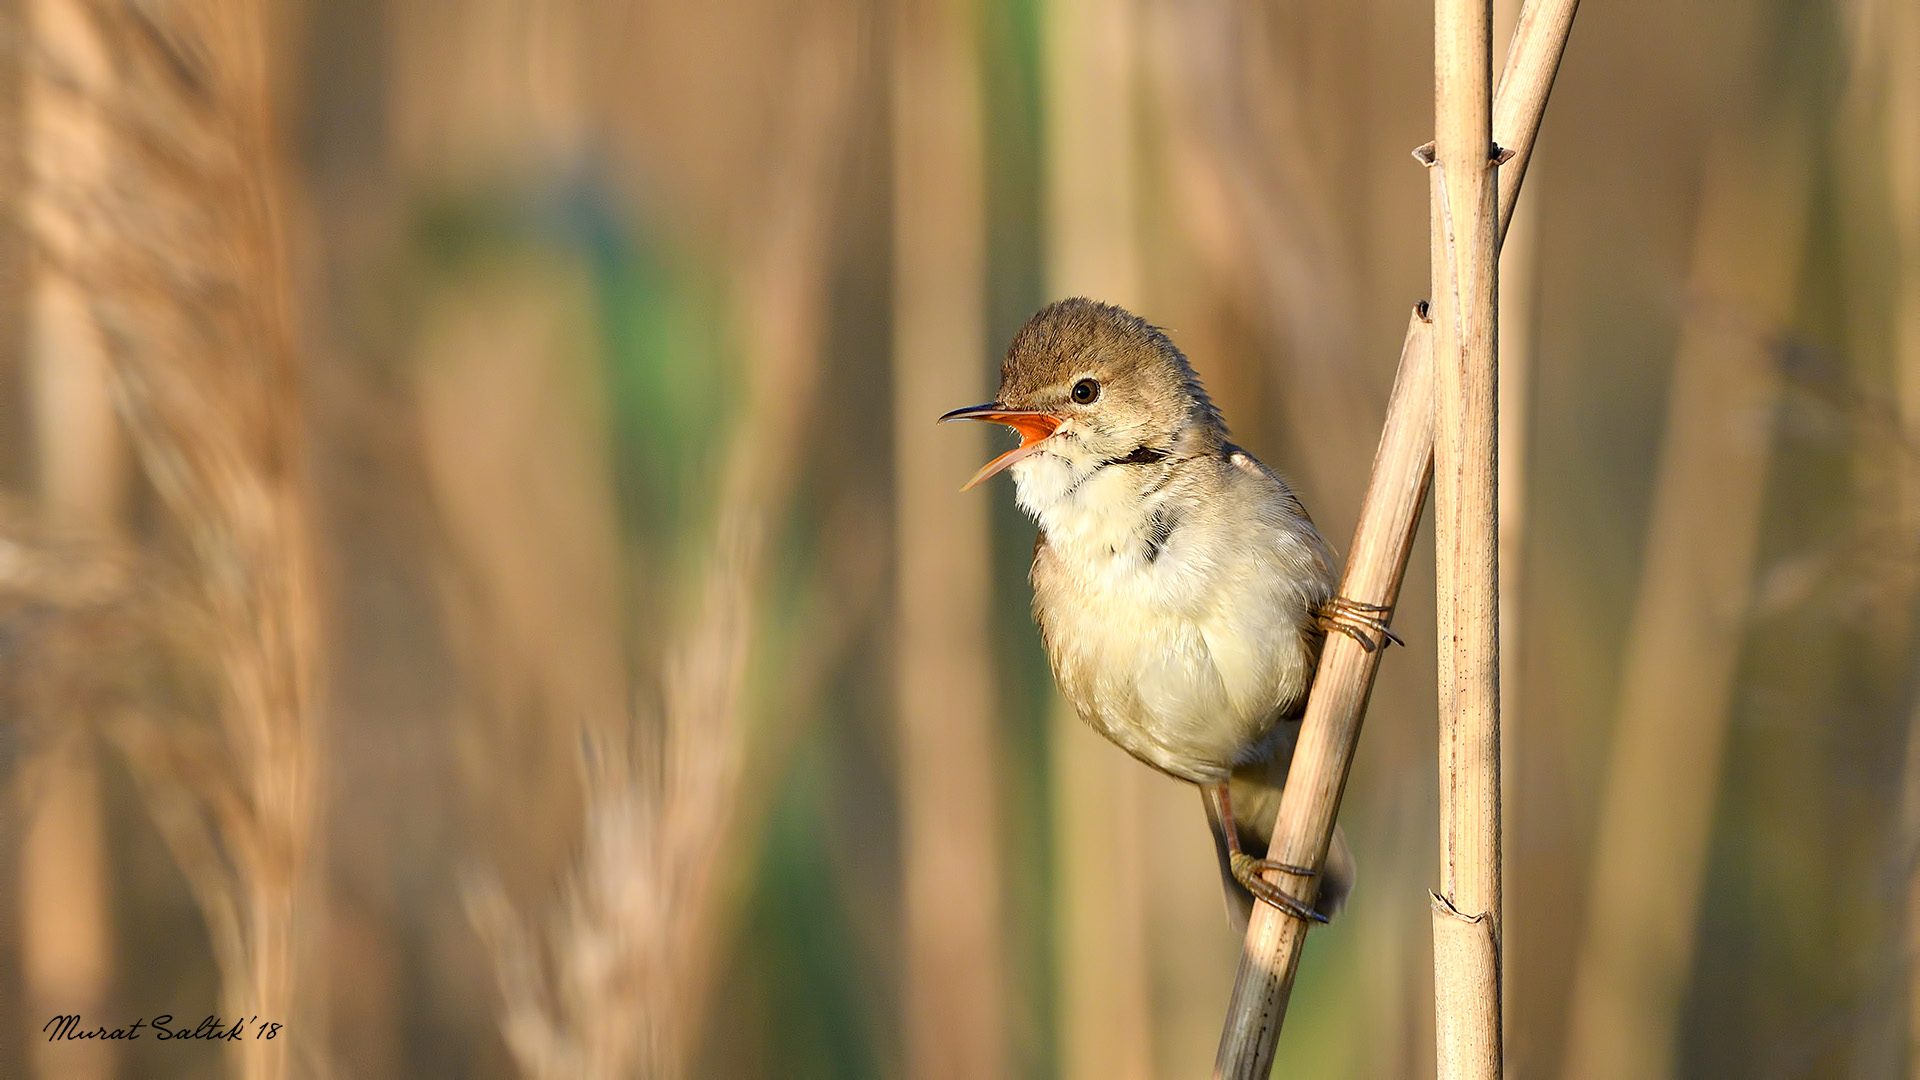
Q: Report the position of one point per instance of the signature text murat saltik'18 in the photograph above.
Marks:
(163, 1028)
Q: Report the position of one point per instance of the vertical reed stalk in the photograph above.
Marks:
(510, 402)
(1663, 780)
(65, 916)
(1263, 211)
(1465, 243)
(1105, 1015)
(1519, 268)
(13, 366)
(944, 687)
(1519, 259)
(1901, 38)
(65, 902)
(1382, 541)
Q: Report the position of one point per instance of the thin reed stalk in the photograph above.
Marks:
(1519, 272)
(1683, 644)
(65, 917)
(1263, 211)
(944, 686)
(1900, 37)
(1310, 802)
(65, 898)
(1465, 250)
(70, 606)
(1382, 541)
(1901, 67)
(514, 433)
(175, 237)
(13, 341)
(1105, 1017)
(1520, 103)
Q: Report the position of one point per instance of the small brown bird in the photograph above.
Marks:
(1181, 590)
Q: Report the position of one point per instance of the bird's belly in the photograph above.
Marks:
(1188, 684)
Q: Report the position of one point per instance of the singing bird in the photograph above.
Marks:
(1181, 590)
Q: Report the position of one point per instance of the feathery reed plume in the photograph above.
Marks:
(1093, 249)
(615, 980)
(943, 677)
(609, 989)
(1663, 782)
(175, 238)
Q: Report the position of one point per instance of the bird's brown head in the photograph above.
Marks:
(1093, 383)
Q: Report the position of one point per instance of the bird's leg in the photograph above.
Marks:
(1247, 870)
(1355, 619)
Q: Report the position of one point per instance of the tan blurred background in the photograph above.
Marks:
(481, 587)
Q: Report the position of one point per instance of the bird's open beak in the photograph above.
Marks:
(1034, 428)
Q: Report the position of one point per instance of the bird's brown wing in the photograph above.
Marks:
(1247, 463)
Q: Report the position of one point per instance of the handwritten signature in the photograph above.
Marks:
(162, 1027)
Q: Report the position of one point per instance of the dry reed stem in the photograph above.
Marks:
(615, 981)
(1520, 101)
(1092, 139)
(517, 455)
(1900, 39)
(1468, 1002)
(1105, 1026)
(1260, 213)
(1663, 780)
(65, 903)
(943, 669)
(1102, 949)
(1901, 42)
(1519, 270)
(1331, 728)
(65, 919)
(509, 386)
(81, 611)
(493, 87)
(1465, 243)
(1887, 40)
(177, 245)
(1519, 281)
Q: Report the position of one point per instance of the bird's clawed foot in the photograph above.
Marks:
(1358, 621)
(1247, 870)
(1261, 866)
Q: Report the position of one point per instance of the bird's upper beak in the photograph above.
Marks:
(1033, 425)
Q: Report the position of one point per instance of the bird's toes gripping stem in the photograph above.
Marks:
(1358, 621)
(1247, 870)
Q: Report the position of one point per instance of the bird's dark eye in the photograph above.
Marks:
(1086, 391)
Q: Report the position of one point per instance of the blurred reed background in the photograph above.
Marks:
(480, 584)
